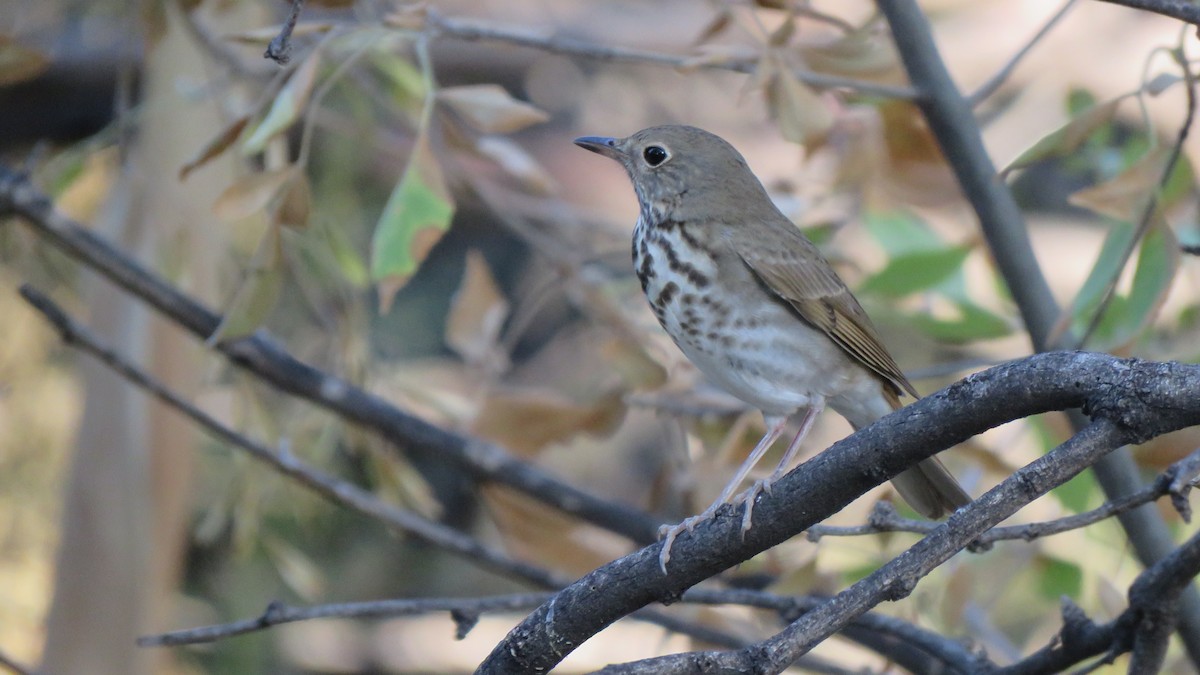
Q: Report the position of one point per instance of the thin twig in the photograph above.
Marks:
(464, 611)
(993, 83)
(1175, 482)
(280, 48)
(337, 491)
(897, 578)
(474, 31)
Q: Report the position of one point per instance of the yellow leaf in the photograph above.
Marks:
(252, 194)
(490, 109)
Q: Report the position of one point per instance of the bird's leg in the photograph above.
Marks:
(810, 416)
(775, 427)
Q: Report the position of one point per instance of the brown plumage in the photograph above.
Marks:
(751, 301)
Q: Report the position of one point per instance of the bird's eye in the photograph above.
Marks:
(654, 155)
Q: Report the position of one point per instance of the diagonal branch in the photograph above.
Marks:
(270, 362)
(337, 491)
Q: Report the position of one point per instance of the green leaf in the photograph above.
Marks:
(1059, 578)
(975, 323)
(1105, 269)
(912, 272)
(900, 233)
(258, 292)
(287, 106)
(1158, 260)
(416, 216)
(351, 265)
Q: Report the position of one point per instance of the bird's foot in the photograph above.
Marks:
(668, 533)
(748, 496)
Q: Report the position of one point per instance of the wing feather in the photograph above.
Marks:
(794, 270)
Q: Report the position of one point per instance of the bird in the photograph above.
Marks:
(756, 307)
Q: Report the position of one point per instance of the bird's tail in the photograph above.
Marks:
(928, 487)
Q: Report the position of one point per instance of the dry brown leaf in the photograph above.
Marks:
(215, 146)
(490, 109)
(295, 207)
(19, 63)
(801, 113)
(1124, 196)
(514, 161)
(252, 194)
(861, 54)
(477, 313)
(527, 420)
(532, 531)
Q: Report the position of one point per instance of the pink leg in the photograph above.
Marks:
(775, 427)
(810, 416)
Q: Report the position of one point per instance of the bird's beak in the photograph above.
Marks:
(601, 145)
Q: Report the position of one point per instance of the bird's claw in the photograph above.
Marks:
(668, 533)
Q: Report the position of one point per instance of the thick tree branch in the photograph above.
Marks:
(952, 124)
(339, 492)
(476, 31)
(271, 363)
(1176, 9)
(1124, 395)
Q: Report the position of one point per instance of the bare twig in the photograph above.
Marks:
(1174, 482)
(1176, 9)
(280, 48)
(475, 31)
(464, 611)
(1159, 585)
(993, 83)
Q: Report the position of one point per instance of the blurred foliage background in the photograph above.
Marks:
(402, 205)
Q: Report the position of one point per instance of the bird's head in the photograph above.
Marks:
(680, 168)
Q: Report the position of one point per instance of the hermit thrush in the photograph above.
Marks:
(751, 301)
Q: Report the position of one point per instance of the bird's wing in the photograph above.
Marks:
(794, 269)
